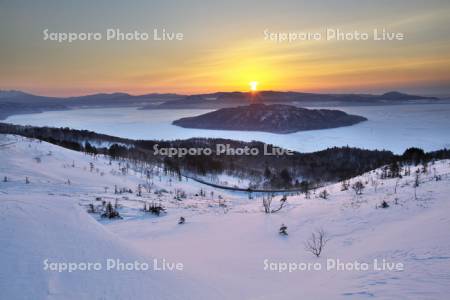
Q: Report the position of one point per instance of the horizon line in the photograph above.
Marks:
(215, 92)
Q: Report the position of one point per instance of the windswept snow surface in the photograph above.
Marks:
(227, 241)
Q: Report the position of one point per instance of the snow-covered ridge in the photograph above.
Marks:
(226, 239)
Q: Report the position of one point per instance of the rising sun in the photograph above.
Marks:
(253, 86)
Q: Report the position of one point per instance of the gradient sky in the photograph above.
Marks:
(224, 47)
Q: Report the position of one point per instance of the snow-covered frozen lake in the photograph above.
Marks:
(391, 127)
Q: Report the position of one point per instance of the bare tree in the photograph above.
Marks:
(305, 188)
(345, 185)
(91, 208)
(307, 194)
(416, 185)
(282, 203)
(358, 187)
(316, 242)
(324, 194)
(416, 180)
(375, 185)
(139, 193)
(396, 185)
(267, 202)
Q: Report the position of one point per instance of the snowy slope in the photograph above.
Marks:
(43, 220)
(225, 241)
(35, 229)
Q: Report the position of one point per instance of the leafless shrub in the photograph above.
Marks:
(324, 194)
(316, 242)
(358, 187)
(283, 230)
(384, 204)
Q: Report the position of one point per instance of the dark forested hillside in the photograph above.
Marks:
(274, 170)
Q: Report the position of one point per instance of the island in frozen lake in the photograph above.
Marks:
(276, 118)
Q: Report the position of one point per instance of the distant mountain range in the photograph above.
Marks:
(88, 100)
(220, 100)
(275, 118)
(18, 102)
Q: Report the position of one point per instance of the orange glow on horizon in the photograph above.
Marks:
(314, 67)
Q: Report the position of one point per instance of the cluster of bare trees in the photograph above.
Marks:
(106, 210)
(154, 208)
